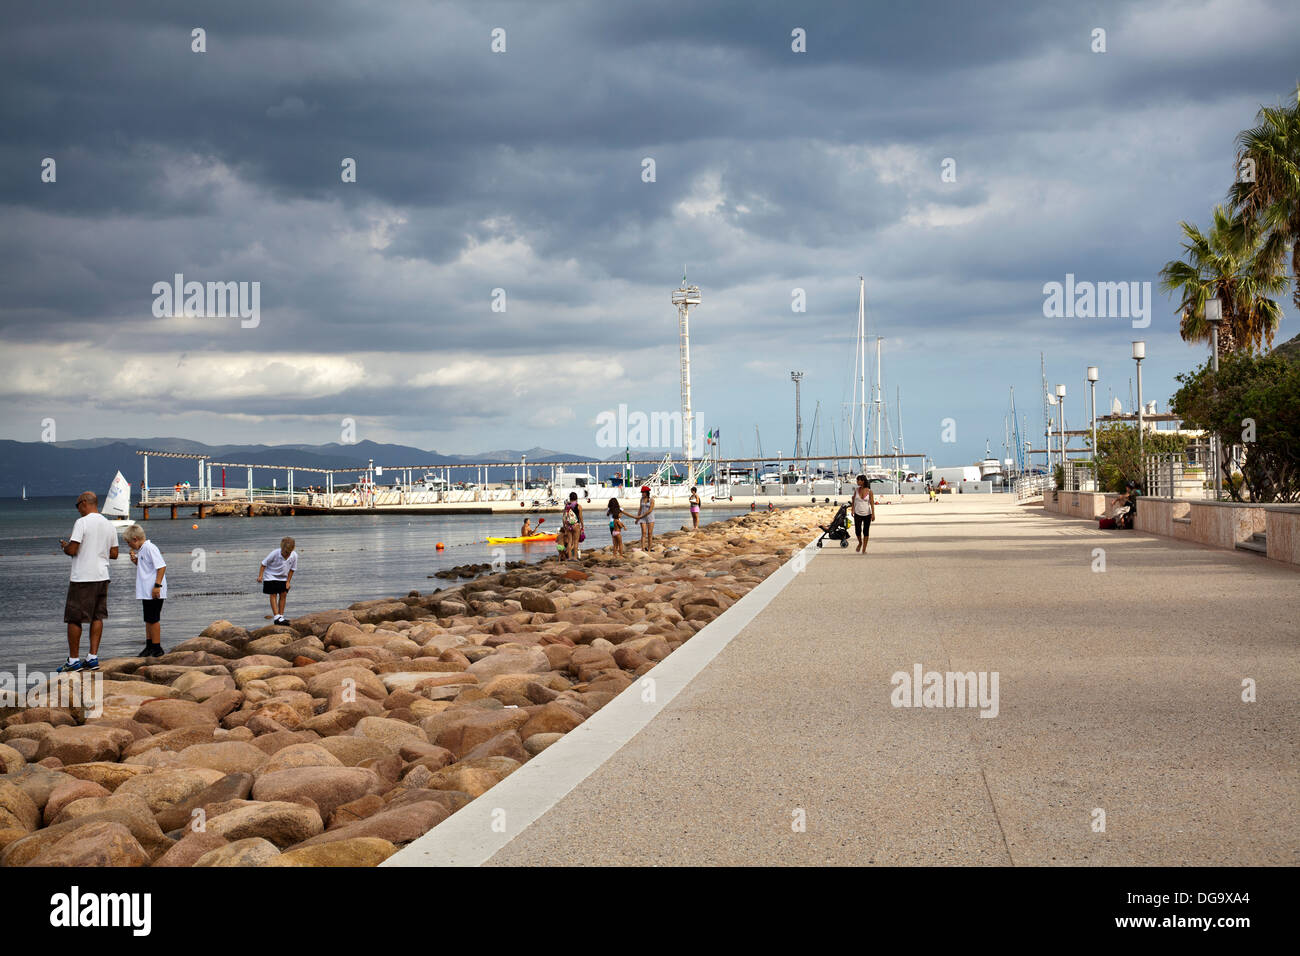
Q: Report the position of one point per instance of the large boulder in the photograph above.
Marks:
(66, 792)
(174, 740)
(384, 611)
(389, 731)
(355, 851)
(252, 851)
(11, 761)
(350, 751)
(85, 744)
(225, 631)
(107, 774)
(357, 680)
(462, 731)
(341, 719)
(138, 688)
(235, 756)
(235, 786)
(396, 825)
(167, 788)
(283, 824)
(17, 809)
(539, 742)
(318, 623)
(130, 812)
(298, 755)
(533, 600)
(97, 844)
(507, 744)
(37, 782)
(474, 781)
(553, 718)
(529, 660)
(326, 787)
(189, 848)
(209, 646)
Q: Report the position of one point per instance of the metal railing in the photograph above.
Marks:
(1080, 476)
(1031, 486)
(1172, 476)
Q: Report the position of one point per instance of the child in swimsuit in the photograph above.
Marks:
(695, 509)
(615, 526)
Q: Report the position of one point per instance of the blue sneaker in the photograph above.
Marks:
(92, 663)
(70, 666)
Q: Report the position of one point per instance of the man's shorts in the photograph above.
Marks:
(274, 587)
(87, 601)
(152, 610)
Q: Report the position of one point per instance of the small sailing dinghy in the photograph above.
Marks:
(117, 506)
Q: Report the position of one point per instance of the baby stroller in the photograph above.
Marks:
(838, 529)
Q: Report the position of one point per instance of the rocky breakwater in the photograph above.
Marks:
(337, 740)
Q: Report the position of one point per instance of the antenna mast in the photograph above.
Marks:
(796, 377)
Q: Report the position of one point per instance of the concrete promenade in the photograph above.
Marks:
(1119, 691)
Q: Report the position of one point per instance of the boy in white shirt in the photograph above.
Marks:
(150, 586)
(275, 575)
(92, 545)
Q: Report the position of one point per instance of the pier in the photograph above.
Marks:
(312, 490)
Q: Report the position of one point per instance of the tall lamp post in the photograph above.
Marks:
(1051, 401)
(1139, 353)
(1214, 315)
(1060, 401)
(1093, 375)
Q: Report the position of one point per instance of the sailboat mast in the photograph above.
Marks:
(902, 448)
(876, 441)
(862, 364)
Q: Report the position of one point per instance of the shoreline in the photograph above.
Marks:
(353, 731)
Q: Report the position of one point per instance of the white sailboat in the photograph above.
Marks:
(117, 506)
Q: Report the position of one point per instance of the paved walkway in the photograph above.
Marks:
(1119, 691)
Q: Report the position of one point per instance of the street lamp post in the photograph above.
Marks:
(1139, 353)
(1060, 401)
(1051, 401)
(1093, 375)
(1214, 315)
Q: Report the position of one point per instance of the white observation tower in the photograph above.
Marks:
(685, 297)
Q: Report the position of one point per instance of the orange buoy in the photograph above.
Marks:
(195, 527)
(440, 546)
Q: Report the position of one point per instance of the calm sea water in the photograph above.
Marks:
(341, 559)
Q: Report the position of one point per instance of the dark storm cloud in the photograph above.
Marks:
(523, 171)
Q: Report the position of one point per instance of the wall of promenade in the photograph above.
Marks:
(1218, 524)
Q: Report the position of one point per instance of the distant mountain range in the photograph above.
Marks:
(70, 467)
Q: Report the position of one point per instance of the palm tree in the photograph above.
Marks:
(1228, 263)
(1267, 193)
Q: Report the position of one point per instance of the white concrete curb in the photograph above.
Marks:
(479, 830)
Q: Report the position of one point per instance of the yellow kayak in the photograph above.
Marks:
(531, 537)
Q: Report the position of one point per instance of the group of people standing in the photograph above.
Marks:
(572, 533)
(93, 543)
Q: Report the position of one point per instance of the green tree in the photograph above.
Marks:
(1228, 263)
(1254, 402)
(1267, 192)
(1118, 457)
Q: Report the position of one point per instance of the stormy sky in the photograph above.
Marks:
(524, 171)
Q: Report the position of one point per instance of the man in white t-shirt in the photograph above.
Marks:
(92, 545)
